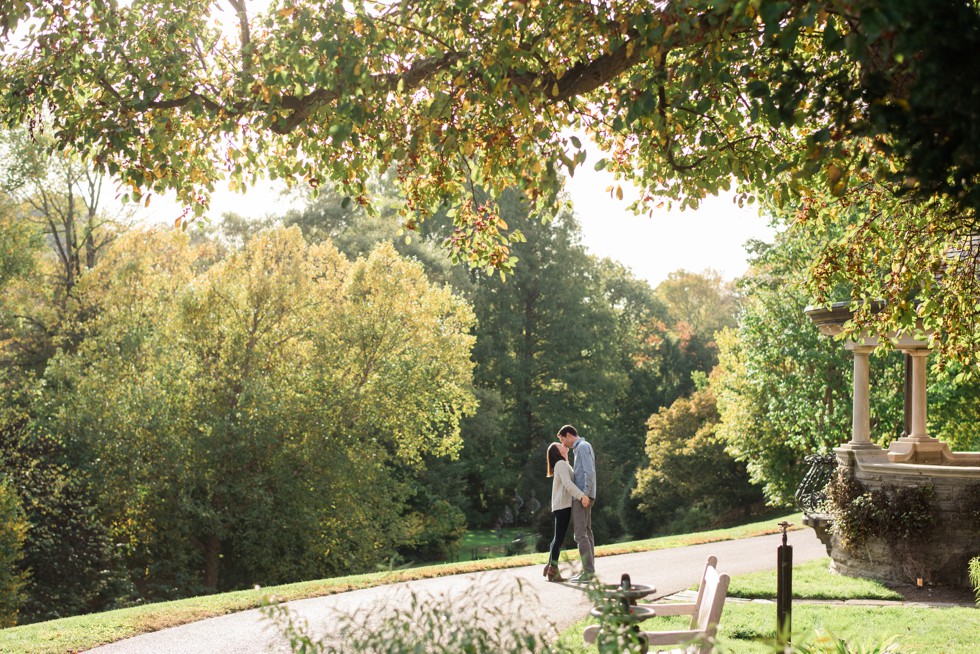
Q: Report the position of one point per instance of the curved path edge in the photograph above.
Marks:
(547, 606)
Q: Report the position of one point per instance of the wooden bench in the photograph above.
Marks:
(705, 615)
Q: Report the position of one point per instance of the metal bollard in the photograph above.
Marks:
(784, 588)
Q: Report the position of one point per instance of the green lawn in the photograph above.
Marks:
(84, 632)
(811, 580)
(749, 627)
(491, 543)
(947, 628)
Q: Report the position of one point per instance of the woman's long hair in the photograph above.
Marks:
(554, 456)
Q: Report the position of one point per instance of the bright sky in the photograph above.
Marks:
(710, 238)
(653, 247)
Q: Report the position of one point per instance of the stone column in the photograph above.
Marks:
(918, 446)
(861, 420)
(906, 394)
(920, 359)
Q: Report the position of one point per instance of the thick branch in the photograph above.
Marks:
(191, 97)
(588, 76)
(583, 78)
(409, 80)
(244, 33)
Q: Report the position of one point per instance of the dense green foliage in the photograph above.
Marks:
(13, 529)
(69, 557)
(784, 390)
(18, 242)
(252, 406)
(898, 516)
(691, 479)
(212, 418)
(863, 108)
(245, 406)
(256, 407)
(565, 338)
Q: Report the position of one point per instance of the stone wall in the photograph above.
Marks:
(942, 557)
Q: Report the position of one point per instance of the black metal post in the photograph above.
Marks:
(784, 588)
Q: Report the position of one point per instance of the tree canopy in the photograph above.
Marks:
(783, 389)
(866, 109)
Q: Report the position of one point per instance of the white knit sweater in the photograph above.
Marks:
(563, 489)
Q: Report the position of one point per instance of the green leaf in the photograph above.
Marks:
(757, 89)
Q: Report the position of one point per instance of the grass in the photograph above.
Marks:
(497, 541)
(84, 632)
(813, 581)
(749, 627)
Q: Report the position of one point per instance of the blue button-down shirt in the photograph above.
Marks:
(584, 467)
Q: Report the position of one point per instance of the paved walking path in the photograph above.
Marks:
(522, 592)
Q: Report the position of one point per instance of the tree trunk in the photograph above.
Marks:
(212, 561)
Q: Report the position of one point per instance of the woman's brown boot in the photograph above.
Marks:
(552, 573)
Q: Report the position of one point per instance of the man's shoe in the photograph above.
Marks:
(583, 578)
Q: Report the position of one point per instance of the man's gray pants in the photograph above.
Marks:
(582, 521)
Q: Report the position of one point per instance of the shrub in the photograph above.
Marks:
(491, 622)
(975, 577)
(897, 516)
(827, 644)
(476, 623)
(854, 514)
(909, 513)
(13, 531)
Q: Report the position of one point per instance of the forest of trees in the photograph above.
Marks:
(307, 394)
(189, 410)
(313, 393)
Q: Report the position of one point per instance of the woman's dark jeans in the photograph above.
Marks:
(562, 518)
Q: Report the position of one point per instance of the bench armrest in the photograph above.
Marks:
(673, 637)
(668, 608)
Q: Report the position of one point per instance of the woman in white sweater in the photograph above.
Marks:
(563, 491)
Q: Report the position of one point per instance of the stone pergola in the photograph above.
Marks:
(915, 459)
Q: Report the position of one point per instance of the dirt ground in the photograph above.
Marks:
(937, 595)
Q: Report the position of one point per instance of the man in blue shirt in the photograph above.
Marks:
(584, 475)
